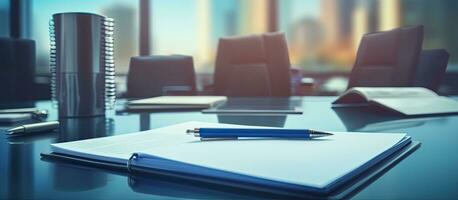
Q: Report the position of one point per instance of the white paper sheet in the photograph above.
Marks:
(314, 163)
(179, 100)
(419, 106)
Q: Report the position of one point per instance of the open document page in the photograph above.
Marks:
(405, 100)
(394, 92)
(312, 163)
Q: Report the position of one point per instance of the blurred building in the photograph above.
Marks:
(360, 25)
(203, 56)
(224, 21)
(306, 40)
(125, 34)
(323, 35)
(337, 19)
(389, 14)
(254, 16)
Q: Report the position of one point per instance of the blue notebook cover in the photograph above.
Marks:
(249, 163)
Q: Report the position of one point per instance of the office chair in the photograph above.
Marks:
(7, 69)
(431, 68)
(254, 65)
(388, 58)
(17, 70)
(151, 76)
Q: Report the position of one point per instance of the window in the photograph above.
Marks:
(193, 27)
(439, 18)
(125, 14)
(4, 18)
(324, 35)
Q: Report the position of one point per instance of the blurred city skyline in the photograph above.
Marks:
(322, 35)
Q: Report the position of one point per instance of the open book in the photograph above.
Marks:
(317, 166)
(405, 100)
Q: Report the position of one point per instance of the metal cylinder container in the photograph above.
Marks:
(82, 64)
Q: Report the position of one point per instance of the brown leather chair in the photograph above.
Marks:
(388, 58)
(253, 65)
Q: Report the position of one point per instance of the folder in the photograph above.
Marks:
(293, 167)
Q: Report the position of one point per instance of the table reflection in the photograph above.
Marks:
(145, 119)
(72, 129)
(183, 188)
(20, 170)
(82, 179)
(273, 121)
(372, 119)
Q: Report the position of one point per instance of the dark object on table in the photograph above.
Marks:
(82, 64)
(151, 76)
(431, 68)
(254, 65)
(17, 65)
(388, 58)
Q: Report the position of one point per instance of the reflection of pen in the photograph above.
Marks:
(36, 113)
(204, 133)
(36, 127)
(18, 110)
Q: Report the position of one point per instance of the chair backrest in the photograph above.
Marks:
(151, 76)
(431, 68)
(17, 69)
(7, 75)
(254, 65)
(388, 58)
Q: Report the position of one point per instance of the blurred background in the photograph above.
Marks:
(323, 35)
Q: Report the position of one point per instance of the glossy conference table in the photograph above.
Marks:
(431, 172)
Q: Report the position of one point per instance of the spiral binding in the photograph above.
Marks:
(129, 162)
(108, 55)
(53, 62)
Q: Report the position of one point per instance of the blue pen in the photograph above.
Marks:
(227, 133)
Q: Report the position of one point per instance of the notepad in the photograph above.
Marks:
(405, 100)
(176, 102)
(306, 165)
